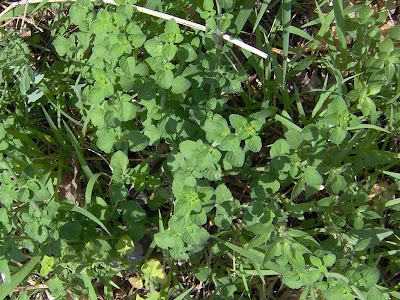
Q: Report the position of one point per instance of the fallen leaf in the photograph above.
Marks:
(136, 282)
(378, 189)
(68, 186)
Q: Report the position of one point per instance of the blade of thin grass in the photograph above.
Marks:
(244, 280)
(298, 102)
(5, 271)
(79, 153)
(288, 123)
(300, 66)
(325, 21)
(88, 284)
(243, 15)
(41, 4)
(322, 99)
(254, 256)
(23, 137)
(260, 14)
(392, 174)
(89, 188)
(16, 279)
(184, 294)
(301, 33)
(286, 18)
(275, 65)
(369, 126)
(48, 94)
(263, 272)
(340, 28)
(71, 207)
(53, 127)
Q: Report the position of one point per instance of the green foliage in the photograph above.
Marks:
(223, 181)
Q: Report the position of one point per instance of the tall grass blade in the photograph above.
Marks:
(6, 289)
(84, 212)
(286, 18)
(260, 14)
(79, 152)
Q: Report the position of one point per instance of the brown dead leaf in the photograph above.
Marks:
(385, 28)
(378, 189)
(68, 187)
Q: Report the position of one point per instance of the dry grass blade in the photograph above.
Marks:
(154, 13)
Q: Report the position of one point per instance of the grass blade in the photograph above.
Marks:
(254, 256)
(260, 14)
(41, 4)
(322, 99)
(340, 28)
(243, 15)
(287, 123)
(49, 95)
(392, 174)
(16, 279)
(57, 134)
(301, 33)
(79, 152)
(369, 126)
(286, 18)
(88, 285)
(84, 212)
(89, 188)
(184, 294)
(5, 271)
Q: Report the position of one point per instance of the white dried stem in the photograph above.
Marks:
(154, 13)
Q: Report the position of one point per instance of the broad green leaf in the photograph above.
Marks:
(337, 135)
(312, 177)
(386, 45)
(279, 148)
(180, 85)
(238, 122)
(169, 51)
(137, 141)
(229, 143)
(47, 265)
(394, 32)
(253, 144)
(97, 116)
(216, 129)
(125, 245)
(235, 157)
(165, 78)
(119, 161)
(225, 4)
(152, 268)
(105, 140)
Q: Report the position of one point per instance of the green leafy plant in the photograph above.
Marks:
(134, 147)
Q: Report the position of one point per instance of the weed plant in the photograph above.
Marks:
(147, 160)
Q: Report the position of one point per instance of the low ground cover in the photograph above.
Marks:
(143, 159)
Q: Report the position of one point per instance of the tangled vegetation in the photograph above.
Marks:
(141, 159)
